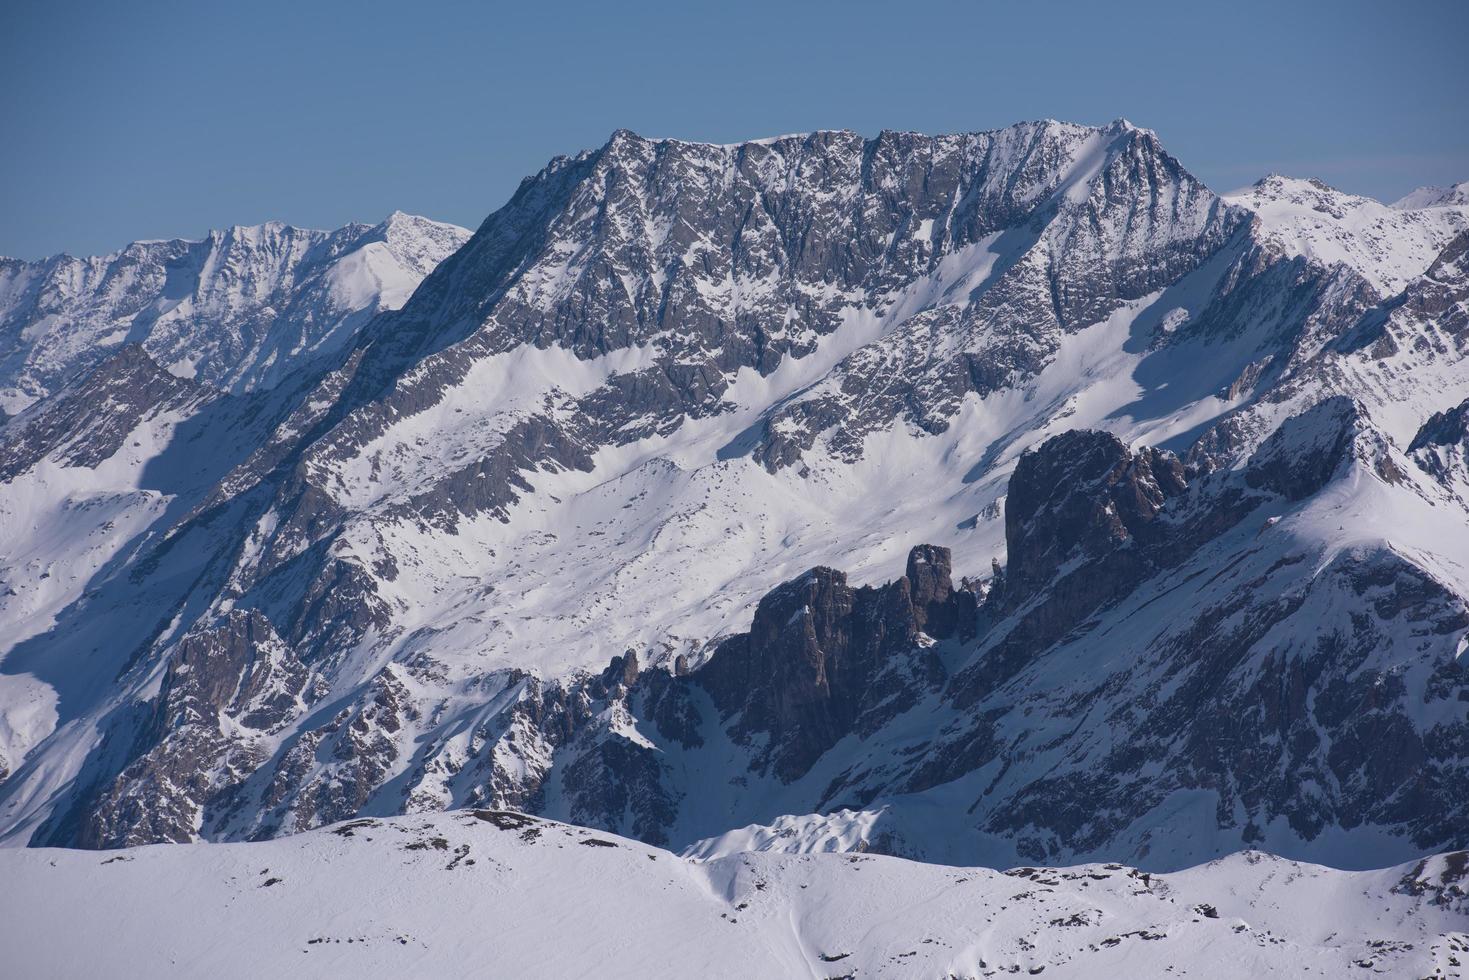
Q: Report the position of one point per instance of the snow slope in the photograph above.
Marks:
(496, 893)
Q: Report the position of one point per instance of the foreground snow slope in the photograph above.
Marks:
(500, 894)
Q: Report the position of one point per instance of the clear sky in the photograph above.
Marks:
(144, 119)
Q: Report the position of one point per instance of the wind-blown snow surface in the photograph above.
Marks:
(664, 379)
(497, 893)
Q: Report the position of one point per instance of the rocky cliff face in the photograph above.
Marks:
(1164, 674)
(563, 533)
(823, 660)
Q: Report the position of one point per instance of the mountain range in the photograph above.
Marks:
(988, 499)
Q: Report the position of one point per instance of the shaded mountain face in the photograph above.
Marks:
(86, 424)
(614, 520)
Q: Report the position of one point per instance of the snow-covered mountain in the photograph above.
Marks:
(236, 310)
(1010, 493)
(499, 892)
(1387, 244)
(1456, 195)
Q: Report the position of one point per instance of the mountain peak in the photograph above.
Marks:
(1275, 186)
(1454, 195)
(401, 223)
(1386, 245)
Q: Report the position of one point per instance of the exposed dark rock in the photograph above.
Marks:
(1305, 451)
(1443, 428)
(1441, 446)
(938, 609)
(87, 423)
(1079, 497)
(240, 670)
(823, 659)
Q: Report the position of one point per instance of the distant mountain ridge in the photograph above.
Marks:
(229, 309)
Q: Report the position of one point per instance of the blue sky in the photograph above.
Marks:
(150, 119)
